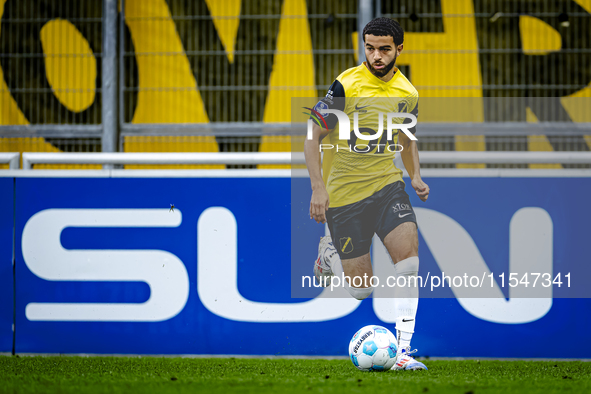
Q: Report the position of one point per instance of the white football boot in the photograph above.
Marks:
(405, 362)
(323, 265)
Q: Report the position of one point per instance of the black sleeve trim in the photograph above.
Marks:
(334, 99)
(415, 112)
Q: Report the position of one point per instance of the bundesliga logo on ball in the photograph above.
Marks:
(373, 348)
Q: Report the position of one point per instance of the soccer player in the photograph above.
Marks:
(362, 192)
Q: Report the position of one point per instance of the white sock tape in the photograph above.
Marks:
(359, 293)
(409, 266)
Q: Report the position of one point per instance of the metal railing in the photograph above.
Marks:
(238, 158)
(245, 158)
(12, 158)
(218, 61)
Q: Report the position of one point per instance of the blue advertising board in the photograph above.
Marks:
(6, 274)
(106, 266)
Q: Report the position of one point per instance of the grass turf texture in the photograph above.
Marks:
(223, 375)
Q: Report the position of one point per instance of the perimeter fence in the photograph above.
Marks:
(218, 76)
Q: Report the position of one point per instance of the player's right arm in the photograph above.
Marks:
(320, 200)
(334, 99)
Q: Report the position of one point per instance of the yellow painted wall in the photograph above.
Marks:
(444, 64)
(168, 91)
(70, 64)
(225, 15)
(577, 104)
(10, 114)
(292, 75)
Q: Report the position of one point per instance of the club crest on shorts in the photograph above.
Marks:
(346, 245)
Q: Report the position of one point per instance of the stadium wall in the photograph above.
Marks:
(104, 266)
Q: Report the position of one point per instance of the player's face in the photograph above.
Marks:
(381, 54)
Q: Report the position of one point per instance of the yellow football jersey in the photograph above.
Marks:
(355, 169)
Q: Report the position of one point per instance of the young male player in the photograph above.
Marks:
(364, 192)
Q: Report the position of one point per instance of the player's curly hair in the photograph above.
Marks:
(385, 27)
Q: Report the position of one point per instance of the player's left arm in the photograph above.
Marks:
(410, 158)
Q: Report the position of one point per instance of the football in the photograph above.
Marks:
(373, 348)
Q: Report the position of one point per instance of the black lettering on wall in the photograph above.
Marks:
(332, 23)
(508, 72)
(415, 16)
(23, 63)
(231, 91)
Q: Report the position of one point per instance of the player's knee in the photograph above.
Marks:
(360, 293)
(405, 255)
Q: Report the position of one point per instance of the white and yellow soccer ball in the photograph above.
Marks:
(373, 348)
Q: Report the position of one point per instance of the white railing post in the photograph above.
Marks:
(253, 158)
(109, 77)
(364, 15)
(12, 158)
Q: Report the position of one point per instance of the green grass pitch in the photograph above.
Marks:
(230, 375)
